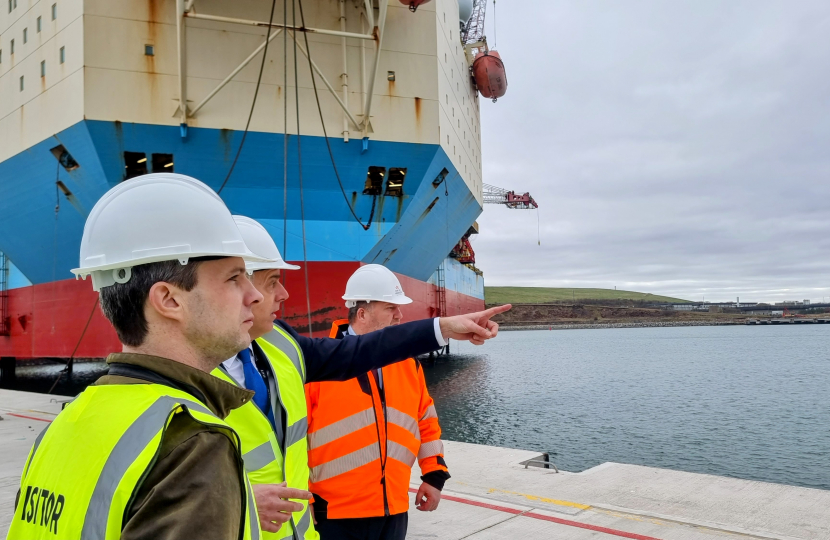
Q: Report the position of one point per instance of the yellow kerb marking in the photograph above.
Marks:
(542, 499)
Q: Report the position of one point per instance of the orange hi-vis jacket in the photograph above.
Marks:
(364, 438)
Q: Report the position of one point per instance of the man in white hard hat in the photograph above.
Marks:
(273, 426)
(145, 452)
(369, 499)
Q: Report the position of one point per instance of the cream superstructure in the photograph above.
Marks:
(119, 60)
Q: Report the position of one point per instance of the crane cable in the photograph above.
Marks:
(495, 36)
(283, 275)
(71, 361)
(325, 134)
(55, 238)
(299, 157)
(253, 103)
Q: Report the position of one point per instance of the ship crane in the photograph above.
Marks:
(473, 31)
(496, 195)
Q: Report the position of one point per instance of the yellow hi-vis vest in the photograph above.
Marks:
(265, 461)
(83, 470)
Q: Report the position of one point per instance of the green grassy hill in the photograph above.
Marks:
(534, 295)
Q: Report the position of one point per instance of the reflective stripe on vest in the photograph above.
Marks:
(344, 464)
(394, 416)
(341, 428)
(430, 413)
(112, 435)
(265, 461)
(367, 454)
(432, 448)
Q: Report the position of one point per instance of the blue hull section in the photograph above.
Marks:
(411, 235)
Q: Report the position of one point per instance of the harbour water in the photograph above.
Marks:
(743, 402)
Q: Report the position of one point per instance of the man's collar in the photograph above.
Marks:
(236, 356)
(221, 397)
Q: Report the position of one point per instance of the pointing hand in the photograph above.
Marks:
(473, 327)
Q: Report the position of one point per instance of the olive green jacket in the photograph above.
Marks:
(187, 492)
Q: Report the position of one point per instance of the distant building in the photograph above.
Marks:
(688, 307)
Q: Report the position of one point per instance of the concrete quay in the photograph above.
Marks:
(493, 495)
(787, 321)
(24, 415)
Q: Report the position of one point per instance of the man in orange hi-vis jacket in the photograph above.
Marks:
(365, 434)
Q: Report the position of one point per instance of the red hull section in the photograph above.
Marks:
(48, 320)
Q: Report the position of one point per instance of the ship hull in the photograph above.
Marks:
(54, 316)
(62, 319)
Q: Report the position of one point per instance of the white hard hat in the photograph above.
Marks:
(155, 218)
(260, 242)
(374, 282)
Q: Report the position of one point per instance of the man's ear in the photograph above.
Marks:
(165, 300)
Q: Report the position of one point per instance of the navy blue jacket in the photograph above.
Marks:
(328, 359)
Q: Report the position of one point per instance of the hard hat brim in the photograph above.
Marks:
(248, 257)
(276, 265)
(400, 301)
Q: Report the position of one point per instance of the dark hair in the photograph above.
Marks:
(353, 310)
(123, 303)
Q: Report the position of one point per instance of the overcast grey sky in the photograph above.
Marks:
(679, 147)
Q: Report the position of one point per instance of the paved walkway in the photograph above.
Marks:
(492, 495)
(24, 415)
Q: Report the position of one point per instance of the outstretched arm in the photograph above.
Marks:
(328, 359)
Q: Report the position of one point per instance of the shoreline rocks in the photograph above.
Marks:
(643, 324)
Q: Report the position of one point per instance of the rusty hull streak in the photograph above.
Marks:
(425, 212)
(225, 139)
(152, 33)
(322, 311)
(418, 110)
(379, 213)
(391, 253)
(150, 61)
(400, 209)
(321, 326)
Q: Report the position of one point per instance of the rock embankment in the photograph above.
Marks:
(643, 324)
(569, 316)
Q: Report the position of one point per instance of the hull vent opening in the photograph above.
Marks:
(135, 164)
(162, 163)
(64, 158)
(440, 178)
(374, 181)
(394, 186)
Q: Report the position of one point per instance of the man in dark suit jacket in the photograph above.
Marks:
(328, 359)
